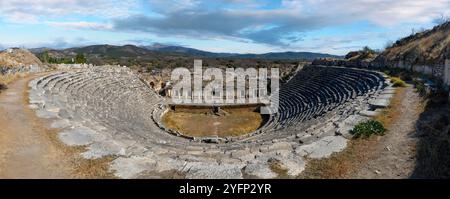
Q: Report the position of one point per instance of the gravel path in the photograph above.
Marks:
(26, 150)
(394, 156)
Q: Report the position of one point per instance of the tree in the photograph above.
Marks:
(45, 57)
(367, 49)
(80, 58)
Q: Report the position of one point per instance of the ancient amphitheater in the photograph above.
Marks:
(115, 113)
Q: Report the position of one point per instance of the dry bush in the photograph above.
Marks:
(8, 78)
(397, 82)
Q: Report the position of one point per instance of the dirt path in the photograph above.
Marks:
(26, 150)
(394, 157)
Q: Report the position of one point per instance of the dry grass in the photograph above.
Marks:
(277, 168)
(397, 82)
(429, 48)
(233, 123)
(339, 165)
(358, 151)
(7, 79)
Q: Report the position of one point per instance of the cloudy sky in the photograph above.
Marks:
(244, 26)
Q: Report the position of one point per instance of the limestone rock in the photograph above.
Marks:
(202, 170)
(260, 170)
(323, 148)
(130, 167)
(79, 136)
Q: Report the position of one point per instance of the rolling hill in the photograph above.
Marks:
(206, 54)
(430, 47)
(100, 53)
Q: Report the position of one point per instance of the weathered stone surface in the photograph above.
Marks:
(380, 103)
(167, 164)
(386, 96)
(101, 149)
(260, 170)
(45, 114)
(201, 170)
(115, 113)
(33, 106)
(60, 124)
(79, 136)
(369, 113)
(348, 124)
(294, 164)
(52, 108)
(130, 167)
(249, 156)
(323, 148)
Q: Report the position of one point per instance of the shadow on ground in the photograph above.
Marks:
(433, 147)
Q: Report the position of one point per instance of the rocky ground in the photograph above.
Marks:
(394, 155)
(30, 149)
(25, 150)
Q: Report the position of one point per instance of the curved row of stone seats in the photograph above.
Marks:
(317, 90)
(118, 101)
(125, 111)
(122, 103)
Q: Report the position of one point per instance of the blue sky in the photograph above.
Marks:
(243, 26)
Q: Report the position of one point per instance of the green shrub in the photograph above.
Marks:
(367, 129)
(397, 82)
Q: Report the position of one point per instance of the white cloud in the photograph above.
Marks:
(253, 21)
(12, 10)
(382, 12)
(292, 17)
(81, 25)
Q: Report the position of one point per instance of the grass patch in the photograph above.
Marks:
(367, 129)
(397, 82)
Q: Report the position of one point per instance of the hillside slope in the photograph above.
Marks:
(430, 47)
(16, 57)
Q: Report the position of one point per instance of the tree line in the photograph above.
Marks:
(80, 58)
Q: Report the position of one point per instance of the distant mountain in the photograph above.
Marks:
(287, 55)
(200, 53)
(187, 51)
(39, 50)
(144, 55)
(108, 54)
